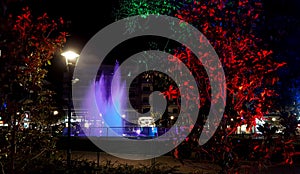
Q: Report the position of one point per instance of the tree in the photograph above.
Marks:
(232, 27)
(27, 46)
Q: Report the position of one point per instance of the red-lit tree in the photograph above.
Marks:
(247, 61)
(231, 28)
(27, 45)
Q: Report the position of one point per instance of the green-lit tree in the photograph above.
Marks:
(27, 45)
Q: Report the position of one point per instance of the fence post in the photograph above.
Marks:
(98, 159)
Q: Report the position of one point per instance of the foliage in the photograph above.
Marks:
(30, 146)
(130, 8)
(232, 27)
(250, 70)
(27, 45)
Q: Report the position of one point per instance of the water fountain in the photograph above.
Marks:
(107, 114)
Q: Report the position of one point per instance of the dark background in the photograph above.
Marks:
(86, 18)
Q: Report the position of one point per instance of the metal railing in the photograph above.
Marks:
(128, 131)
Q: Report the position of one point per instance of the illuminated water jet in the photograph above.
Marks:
(106, 119)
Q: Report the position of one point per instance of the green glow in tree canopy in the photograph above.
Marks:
(145, 7)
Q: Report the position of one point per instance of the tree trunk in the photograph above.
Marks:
(13, 146)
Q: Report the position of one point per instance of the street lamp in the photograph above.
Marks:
(71, 59)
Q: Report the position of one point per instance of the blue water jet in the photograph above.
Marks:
(106, 119)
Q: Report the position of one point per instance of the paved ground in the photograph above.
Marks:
(189, 166)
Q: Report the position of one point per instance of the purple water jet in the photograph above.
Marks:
(106, 119)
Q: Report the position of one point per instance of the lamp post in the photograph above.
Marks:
(71, 59)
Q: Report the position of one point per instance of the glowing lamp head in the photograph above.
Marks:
(70, 55)
(55, 112)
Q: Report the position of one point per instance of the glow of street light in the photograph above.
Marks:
(70, 55)
(55, 112)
